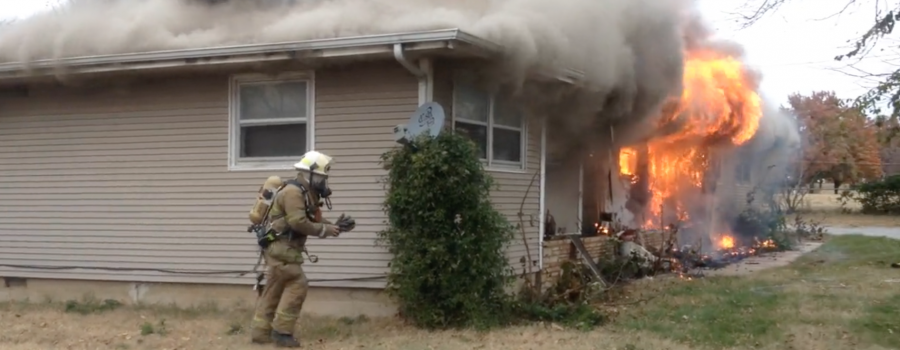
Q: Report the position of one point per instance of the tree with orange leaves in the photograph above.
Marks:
(839, 142)
(888, 133)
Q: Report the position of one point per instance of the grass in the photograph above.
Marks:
(833, 298)
(725, 311)
(837, 293)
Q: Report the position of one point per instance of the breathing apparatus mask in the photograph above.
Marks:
(319, 183)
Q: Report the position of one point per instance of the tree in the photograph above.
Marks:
(887, 13)
(839, 142)
(888, 135)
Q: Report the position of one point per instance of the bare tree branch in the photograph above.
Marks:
(839, 13)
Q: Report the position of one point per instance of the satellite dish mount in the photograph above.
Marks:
(429, 118)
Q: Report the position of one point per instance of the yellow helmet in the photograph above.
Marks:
(314, 162)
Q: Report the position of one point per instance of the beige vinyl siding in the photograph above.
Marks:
(136, 177)
(513, 186)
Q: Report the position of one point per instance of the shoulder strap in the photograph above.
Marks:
(272, 204)
(296, 183)
(310, 205)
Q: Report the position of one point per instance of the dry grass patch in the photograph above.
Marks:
(826, 209)
(49, 326)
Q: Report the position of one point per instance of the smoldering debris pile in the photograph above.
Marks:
(689, 260)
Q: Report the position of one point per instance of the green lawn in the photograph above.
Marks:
(838, 294)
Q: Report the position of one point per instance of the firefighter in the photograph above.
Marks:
(294, 216)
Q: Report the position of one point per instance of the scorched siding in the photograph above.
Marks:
(135, 177)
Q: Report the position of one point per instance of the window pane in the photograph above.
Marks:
(507, 145)
(476, 133)
(471, 103)
(507, 114)
(273, 140)
(273, 100)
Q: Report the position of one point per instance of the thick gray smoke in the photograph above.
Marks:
(630, 50)
(773, 149)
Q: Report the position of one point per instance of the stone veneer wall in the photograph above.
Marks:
(559, 250)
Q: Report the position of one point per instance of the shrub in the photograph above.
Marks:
(449, 267)
(878, 197)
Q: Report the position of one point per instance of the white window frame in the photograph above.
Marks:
(235, 162)
(490, 163)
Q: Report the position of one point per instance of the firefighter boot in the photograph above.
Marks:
(284, 340)
(257, 338)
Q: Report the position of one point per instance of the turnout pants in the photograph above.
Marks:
(278, 308)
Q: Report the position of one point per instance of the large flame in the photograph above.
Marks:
(726, 242)
(627, 161)
(718, 105)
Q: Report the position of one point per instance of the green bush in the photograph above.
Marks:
(766, 221)
(879, 197)
(449, 266)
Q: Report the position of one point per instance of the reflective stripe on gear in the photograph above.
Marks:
(286, 317)
(261, 323)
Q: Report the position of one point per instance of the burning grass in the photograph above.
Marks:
(687, 259)
(833, 298)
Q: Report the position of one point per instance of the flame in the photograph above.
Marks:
(726, 242)
(627, 161)
(767, 244)
(719, 104)
(601, 229)
(718, 100)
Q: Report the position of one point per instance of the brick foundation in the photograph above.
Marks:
(560, 250)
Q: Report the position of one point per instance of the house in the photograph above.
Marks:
(130, 176)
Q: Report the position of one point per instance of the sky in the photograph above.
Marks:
(793, 47)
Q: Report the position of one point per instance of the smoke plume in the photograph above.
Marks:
(773, 149)
(630, 50)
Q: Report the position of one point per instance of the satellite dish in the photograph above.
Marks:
(429, 118)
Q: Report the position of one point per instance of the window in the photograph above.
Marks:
(493, 123)
(742, 173)
(270, 120)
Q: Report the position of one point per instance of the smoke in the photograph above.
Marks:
(629, 50)
(778, 138)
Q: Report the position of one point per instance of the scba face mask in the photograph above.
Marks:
(320, 184)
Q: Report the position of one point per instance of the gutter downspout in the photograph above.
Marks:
(423, 72)
(543, 217)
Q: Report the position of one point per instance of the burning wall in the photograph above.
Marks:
(672, 174)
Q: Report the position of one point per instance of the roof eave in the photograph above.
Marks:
(417, 43)
(369, 45)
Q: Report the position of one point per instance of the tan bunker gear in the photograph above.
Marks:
(286, 284)
(294, 215)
